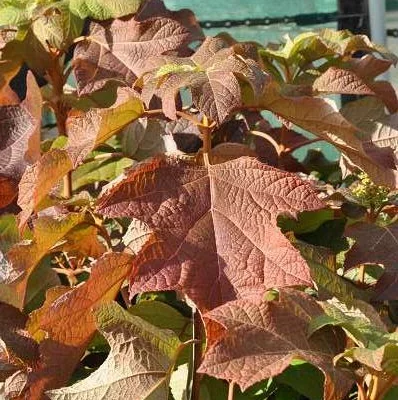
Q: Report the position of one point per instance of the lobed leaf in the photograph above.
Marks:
(99, 171)
(376, 244)
(213, 231)
(118, 49)
(20, 133)
(102, 9)
(382, 360)
(359, 320)
(322, 263)
(321, 116)
(257, 342)
(145, 138)
(65, 323)
(56, 25)
(211, 74)
(141, 360)
(358, 79)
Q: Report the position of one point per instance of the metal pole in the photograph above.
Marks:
(377, 19)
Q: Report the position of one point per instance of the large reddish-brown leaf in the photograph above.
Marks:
(376, 244)
(214, 234)
(16, 127)
(211, 74)
(369, 66)
(342, 81)
(258, 340)
(65, 324)
(118, 49)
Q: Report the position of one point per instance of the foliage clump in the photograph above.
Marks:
(159, 237)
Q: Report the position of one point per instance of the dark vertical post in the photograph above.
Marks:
(358, 24)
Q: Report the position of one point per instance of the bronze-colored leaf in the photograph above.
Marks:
(87, 130)
(376, 244)
(322, 117)
(213, 231)
(260, 339)
(17, 348)
(20, 132)
(65, 324)
(139, 364)
(118, 49)
(8, 191)
(24, 257)
(38, 180)
(211, 75)
(357, 77)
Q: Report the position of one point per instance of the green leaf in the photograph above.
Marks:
(25, 256)
(384, 359)
(104, 9)
(310, 46)
(305, 379)
(392, 394)
(329, 234)
(322, 263)
(178, 382)
(306, 221)
(99, 171)
(145, 138)
(9, 234)
(14, 15)
(359, 320)
(216, 389)
(164, 317)
(57, 26)
(41, 279)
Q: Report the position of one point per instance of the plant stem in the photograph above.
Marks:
(206, 137)
(288, 74)
(197, 353)
(361, 392)
(361, 276)
(102, 157)
(267, 137)
(57, 79)
(159, 113)
(293, 148)
(231, 388)
(374, 388)
(282, 145)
